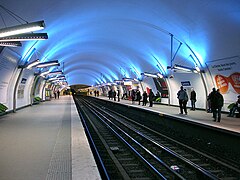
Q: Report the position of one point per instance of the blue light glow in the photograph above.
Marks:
(28, 55)
(160, 64)
(136, 71)
(124, 73)
(124, 38)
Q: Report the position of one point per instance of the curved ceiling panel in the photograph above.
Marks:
(106, 40)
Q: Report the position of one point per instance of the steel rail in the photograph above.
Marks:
(93, 144)
(197, 167)
(97, 113)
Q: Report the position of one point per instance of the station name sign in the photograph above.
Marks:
(186, 83)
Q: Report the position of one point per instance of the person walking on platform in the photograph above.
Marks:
(193, 99)
(216, 104)
(183, 98)
(151, 98)
(145, 96)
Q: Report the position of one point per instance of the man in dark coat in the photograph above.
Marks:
(118, 95)
(114, 95)
(145, 96)
(138, 94)
(216, 104)
(183, 98)
(133, 96)
(151, 98)
(110, 94)
(193, 99)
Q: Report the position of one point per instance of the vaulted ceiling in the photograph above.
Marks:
(104, 40)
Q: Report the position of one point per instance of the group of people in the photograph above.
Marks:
(112, 94)
(215, 100)
(215, 103)
(136, 96)
(183, 99)
(96, 93)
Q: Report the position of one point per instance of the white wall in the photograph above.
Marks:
(195, 82)
(8, 74)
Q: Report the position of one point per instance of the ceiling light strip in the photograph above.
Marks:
(20, 29)
(25, 37)
(11, 44)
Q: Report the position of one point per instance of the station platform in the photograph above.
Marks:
(45, 141)
(231, 124)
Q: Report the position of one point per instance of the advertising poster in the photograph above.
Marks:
(161, 87)
(225, 74)
(8, 63)
(20, 92)
(148, 83)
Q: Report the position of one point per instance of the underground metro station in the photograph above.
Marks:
(123, 89)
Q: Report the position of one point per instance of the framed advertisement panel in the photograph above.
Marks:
(225, 74)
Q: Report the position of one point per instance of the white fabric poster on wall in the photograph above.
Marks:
(225, 74)
(8, 63)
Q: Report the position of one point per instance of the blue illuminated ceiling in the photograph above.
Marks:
(103, 39)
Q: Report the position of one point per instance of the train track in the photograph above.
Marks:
(161, 156)
(118, 162)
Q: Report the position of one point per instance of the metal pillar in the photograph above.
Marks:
(171, 49)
